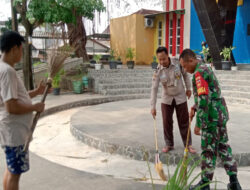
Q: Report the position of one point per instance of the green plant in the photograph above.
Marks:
(182, 179)
(37, 63)
(130, 54)
(57, 79)
(119, 58)
(226, 53)
(97, 58)
(205, 52)
(154, 58)
(210, 60)
(112, 55)
(66, 48)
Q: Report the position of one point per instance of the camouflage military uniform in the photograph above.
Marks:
(211, 118)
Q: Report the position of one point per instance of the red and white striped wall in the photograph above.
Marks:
(177, 27)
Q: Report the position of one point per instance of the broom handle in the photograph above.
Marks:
(156, 140)
(188, 135)
(26, 146)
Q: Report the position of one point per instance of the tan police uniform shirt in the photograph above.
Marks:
(171, 79)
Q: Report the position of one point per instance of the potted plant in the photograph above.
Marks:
(154, 64)
(226, 53)
(119, 62)
(77, 86)
(130, 57)
(92, 63)
(56, 82)
(112, 61)
(205, 53)
(98, 64)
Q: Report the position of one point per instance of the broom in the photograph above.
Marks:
(185, 157)
(55, 64)
(158, 164)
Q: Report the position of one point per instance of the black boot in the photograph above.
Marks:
(234, 183)
(194, 187)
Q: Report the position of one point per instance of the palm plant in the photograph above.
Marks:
(130, 54)
(226, 53)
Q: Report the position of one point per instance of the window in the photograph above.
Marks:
(178, 35)
(170, 36)
(159, 33)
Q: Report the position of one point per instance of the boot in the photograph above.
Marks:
(194, 187)
(234, 183)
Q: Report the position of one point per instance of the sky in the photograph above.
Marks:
(5, 11)
(117, 8)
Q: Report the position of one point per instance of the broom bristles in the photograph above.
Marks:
(56, 63)
(159, 170)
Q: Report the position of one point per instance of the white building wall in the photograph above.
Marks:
(187, 24)
(171, 5)
(179, 4)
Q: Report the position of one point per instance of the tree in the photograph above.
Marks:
(7, 26)
(71, 13)
(14, 22)
(29, 24)
(36, 12)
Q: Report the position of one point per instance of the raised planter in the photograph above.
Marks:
(226, 65)
(56, 91)
(119, 64)
(98, 66)
(112, 64)
(77, 87)
(154, 65)
(92, 63)
(130, 64)
(85, 82)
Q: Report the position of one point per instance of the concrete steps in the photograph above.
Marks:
(235, 85)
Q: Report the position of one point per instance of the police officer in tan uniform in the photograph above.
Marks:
(174, 96)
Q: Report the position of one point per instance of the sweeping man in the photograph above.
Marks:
(15, 110)
(170, 75)
(211, 119)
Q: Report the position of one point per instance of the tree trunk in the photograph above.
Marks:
(14, 17)
(21, 8)
(27, 61)
(77, 38)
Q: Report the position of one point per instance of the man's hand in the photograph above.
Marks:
(40, 89)
(39, 107)
(188, 93)
(153, 112)
(192, 113)
(197, 130)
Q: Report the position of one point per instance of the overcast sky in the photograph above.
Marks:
(4, 10)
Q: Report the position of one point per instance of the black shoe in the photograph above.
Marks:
(234, 183)
(196, 187)
(234, 186)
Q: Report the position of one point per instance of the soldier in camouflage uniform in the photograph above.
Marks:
(211, 119)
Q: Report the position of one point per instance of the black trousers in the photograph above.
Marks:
(182, 118)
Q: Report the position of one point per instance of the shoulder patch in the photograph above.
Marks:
(201, 84)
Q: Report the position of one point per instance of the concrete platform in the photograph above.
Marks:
(126, 128)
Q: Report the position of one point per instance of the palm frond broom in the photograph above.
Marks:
(158, 164)
(55, 63)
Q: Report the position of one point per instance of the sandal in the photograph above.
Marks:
(166, 149)
(191, 150)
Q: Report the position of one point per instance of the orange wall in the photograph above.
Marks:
(123, 35)
(128, 32)
(144, 42)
